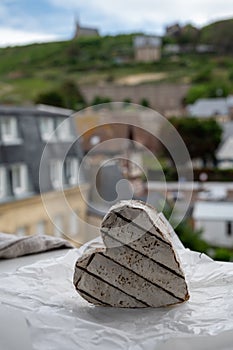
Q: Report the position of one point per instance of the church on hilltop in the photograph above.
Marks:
(84, 31)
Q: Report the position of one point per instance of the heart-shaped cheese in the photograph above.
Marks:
(137, 266)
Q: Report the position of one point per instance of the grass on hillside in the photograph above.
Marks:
(27, 71)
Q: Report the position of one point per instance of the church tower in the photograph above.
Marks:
(83, 31)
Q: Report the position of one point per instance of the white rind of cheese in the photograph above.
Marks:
(137, 266)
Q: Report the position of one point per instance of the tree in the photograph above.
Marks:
(67, 95)
(202, 137)
(189, 35)
(207, 90)
(219, 34)
(144, 102)
(53, 98)
(190, 237)
(72, 96)
(100, 99)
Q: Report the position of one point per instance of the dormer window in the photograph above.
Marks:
(64, 131)
(47, 128)
(3, 182)
(56, 175)
(9, 130)
(71, 170)
(19, 173)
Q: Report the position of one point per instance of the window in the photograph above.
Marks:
(94, 140)
(71, 170)
(58, 225)
(19, 179)
(56, 173)
(21, 231)
(3, 182)
(9, 130)
(74, 224)
(47, 128)
(40, 227)
(64, 129)
(229, 228)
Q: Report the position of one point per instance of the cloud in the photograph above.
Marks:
(25, 22)
(135, 14)
(12, 37)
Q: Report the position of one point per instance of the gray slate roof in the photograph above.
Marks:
(208, 107)
(225, 152)
(227, 130)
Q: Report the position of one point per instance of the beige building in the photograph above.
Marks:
(47, 215)
(147, 48)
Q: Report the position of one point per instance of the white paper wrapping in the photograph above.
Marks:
(59, 319)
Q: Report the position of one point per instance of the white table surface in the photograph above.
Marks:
(40, 301)
(10, 265)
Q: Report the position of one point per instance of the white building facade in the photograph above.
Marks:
(215, 219)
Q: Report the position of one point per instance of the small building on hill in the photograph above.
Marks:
(84, 31)
(147, 48)
(173, 30)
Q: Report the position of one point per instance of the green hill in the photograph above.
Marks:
(28, 71)
(220, 35)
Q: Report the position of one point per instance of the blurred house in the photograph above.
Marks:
(225, 154)
(116, 127)
(25, 131)
(147, 48)
(84, 31)
(176, 49)
(215, 219)
(205, 48)
(173, 30)
(221, 108)
(172, 49)
(227, 130)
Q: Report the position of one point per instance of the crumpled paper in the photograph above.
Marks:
(12, 246)
(59, 319)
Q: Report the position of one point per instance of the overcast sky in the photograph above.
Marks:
(26, 21)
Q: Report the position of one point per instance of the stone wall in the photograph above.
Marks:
(165, 98)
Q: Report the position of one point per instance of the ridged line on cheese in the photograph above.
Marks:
(109, 284)
(138, 251)
(147, 287)
(160, 275)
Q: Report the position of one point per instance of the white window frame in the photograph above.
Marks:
(19, 179)
(229, 228)
(72, 170)
(58, 225)
(21, 231)
(9, 130)
(63, 130)
(47, 129)
(41, 227)
(73, 224)
(56, 173)
(3, 182)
